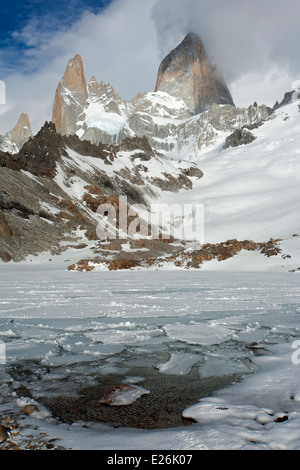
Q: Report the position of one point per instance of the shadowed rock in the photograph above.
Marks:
(239, 137)
(187, 74)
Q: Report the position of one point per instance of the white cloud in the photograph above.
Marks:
(255, 44)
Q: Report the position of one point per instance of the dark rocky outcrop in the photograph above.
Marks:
(14, 140)
(40, 154)
(70, 96)
(239, 137)
(8, 161)
(133, 143)
(179, 257)
(287, 99)
(40, 205)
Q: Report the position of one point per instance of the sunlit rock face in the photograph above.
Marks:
(70, 97)
(14, 140)
(187, 74)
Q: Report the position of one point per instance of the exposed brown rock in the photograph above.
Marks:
(187, 74)
(21, 133)
(29, 409)
(93, 189)
(8, 161)
(4, 433)
(5, 256)
(93, 201)
(82, 265)
(132, 143)
(40, 154)
(158, 254)
(7, 230)
(239, 137)
(219, 251)
(66, 108)
(74, 77)
(121, 264)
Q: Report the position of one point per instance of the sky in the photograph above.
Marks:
(255, 44)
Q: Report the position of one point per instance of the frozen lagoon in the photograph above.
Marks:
(82, 325)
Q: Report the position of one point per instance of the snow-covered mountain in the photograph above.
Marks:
(187, 73)
(241, 164)
(218, 350)
(191, 104)
(14, 140)
(52, 188)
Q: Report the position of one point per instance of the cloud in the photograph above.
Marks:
(257, 39)
(255, 44)
(117, 45)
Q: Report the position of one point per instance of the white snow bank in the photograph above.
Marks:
(251, 191)
(273, 423)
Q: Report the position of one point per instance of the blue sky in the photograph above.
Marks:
(255, 44)
(46, 15)
(115, 38)
(14, 14)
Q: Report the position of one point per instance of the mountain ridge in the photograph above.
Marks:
(95, 112)
(152, 150)
(14, 140)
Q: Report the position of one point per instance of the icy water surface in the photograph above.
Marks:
(75, 335)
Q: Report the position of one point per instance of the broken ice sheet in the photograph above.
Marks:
(179, 364)
(218, 367)
(124, 394)
(198, 333)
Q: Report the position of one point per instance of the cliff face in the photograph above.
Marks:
(21, 132)
(14, 140)
(187, 74)
(88, 109)
(95, 112)
(187, 85)
(70, 97)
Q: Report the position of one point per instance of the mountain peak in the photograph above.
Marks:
(93, 80)
(192, 37)
(21, 132)
(187, 74)
(24, 120)
(74, 77)
(70, 96)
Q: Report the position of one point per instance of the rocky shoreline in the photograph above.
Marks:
(159, 252)
(26, 437)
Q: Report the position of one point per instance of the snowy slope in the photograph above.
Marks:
(249, 192)
(7, 146)
(252, 191)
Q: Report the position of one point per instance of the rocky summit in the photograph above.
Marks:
(14, 140)
(51, 189)
(186, 73)
(70, 96)
(189, 108)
